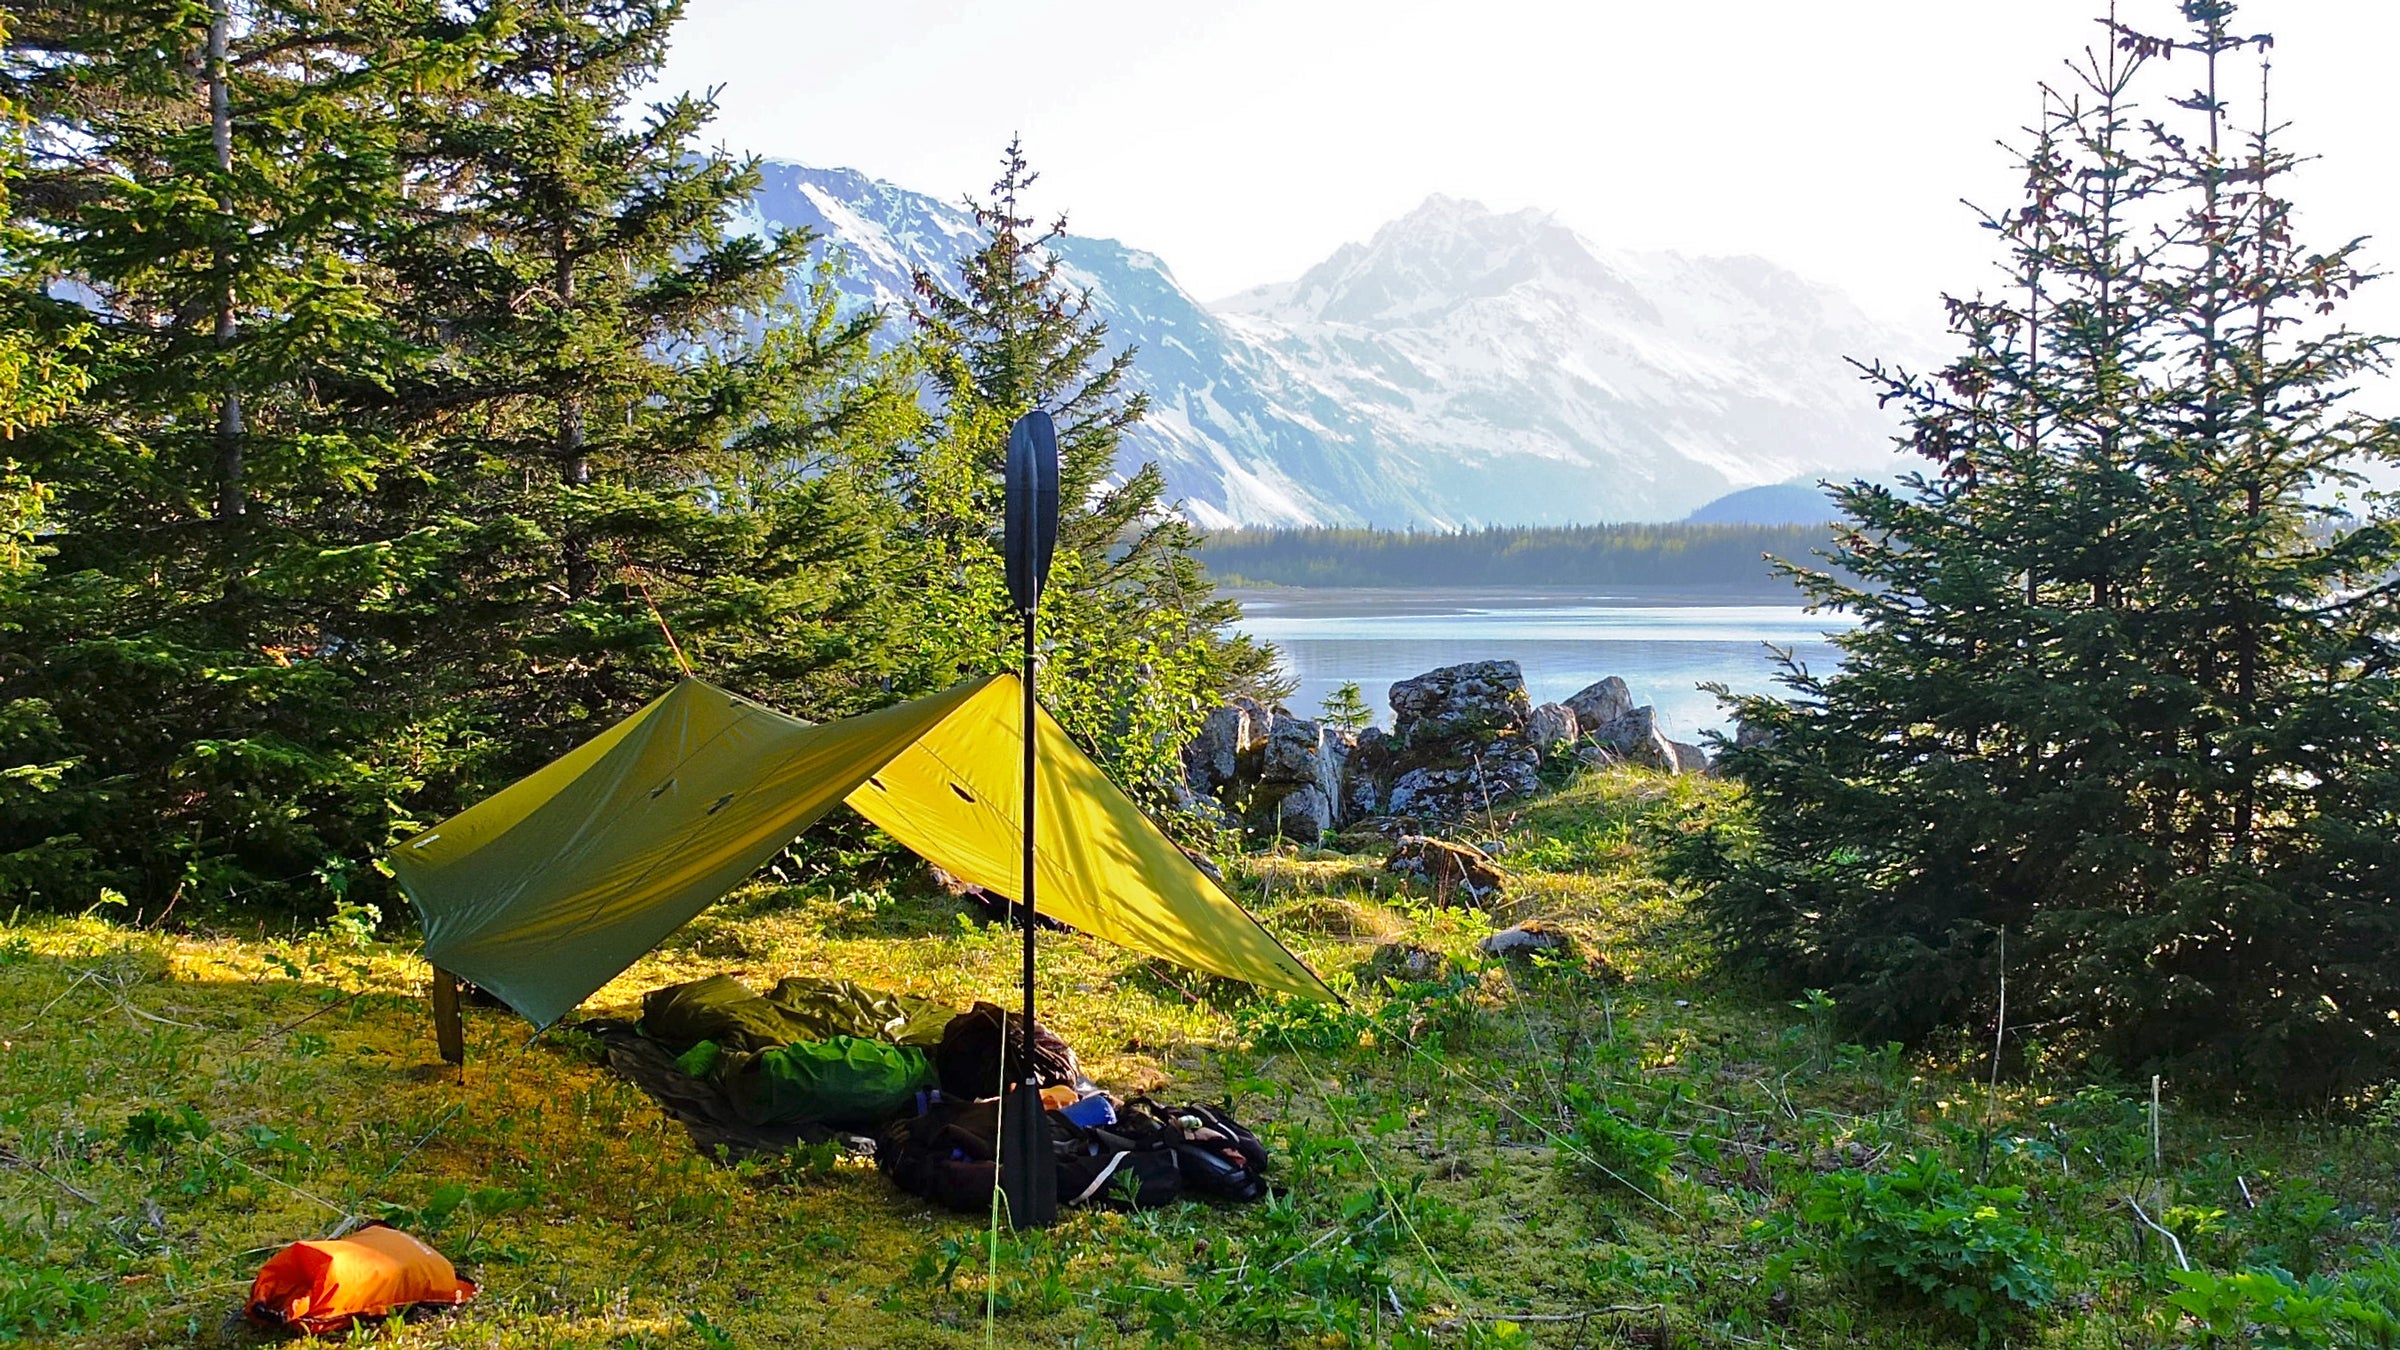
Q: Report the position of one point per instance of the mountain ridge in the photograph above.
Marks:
(1460, 367)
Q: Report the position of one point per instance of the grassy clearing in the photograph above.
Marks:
(1609, 1150)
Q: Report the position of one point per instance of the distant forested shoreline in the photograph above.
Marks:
(1716, 558)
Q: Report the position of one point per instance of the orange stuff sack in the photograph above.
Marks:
(324, 1286)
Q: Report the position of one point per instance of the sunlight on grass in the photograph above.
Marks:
(1606, 1149)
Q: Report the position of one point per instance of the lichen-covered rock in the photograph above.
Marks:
(1636, 739)
(1465, 702)
(1214, 754)
(1304, 814)
(1460, 791)
(1454, 870)
(1597, 705)
(1550, 725)
(1366, 775)
(1292, 752)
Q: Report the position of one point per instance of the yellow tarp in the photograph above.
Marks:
(543, 892)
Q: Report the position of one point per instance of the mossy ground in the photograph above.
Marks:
(175, 1106)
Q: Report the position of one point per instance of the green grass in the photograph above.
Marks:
(1614, 1149)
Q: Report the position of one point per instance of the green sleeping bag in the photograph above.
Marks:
(847, 1081)
(802, 1008)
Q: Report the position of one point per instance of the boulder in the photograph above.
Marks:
(1550, 725)
(1214, 756)
(1745, 736)
(1451, 868)
(1468, 702)
(1333, 770)
(1599, 704)
(1292, 752)
(1462, 791)
(1526, 939)
(1366, 775)
(1304, 814)
(1636, 739)
(1689, 758)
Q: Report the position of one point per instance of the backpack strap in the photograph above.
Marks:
(1100, 1181)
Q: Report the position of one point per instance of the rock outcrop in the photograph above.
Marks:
(1460, 746)
(1597, 705)
(1551, 725)
(1466, 742)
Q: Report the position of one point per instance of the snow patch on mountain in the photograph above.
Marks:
(1463, 367)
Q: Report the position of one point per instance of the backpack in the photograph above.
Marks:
(947, 1154)
(1217, 1154)
(968, 1058)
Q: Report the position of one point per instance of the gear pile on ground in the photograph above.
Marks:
(814, 1060)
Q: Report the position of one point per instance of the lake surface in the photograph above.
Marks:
(1662, 646)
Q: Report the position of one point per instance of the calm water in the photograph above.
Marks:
(1661, 647)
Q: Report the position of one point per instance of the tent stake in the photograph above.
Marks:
(447, 1031)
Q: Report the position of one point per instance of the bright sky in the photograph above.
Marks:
(1243, 140)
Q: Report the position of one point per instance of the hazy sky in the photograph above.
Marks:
(1243, 140)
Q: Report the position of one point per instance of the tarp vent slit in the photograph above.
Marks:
(662, 789)
(963, 794)
(720, 803)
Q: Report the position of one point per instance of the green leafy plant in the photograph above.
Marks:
(1613, 1148)
(156, 1130)
(2273, 1308)
(44, 1300)
(1921, 1229)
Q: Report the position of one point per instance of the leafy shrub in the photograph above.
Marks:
(1615, 1149)
(2268, 1306)
(2291, 1224)
(44, 1300)
(1920, 1229)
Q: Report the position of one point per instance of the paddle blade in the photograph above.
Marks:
(1028, 1165)
(1031, 533)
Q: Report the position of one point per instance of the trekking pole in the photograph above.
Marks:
(1028, 1170)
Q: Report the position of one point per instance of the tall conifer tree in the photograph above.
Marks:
(655, 446)
(201, 185)
(2122, 684)
(1136, 640)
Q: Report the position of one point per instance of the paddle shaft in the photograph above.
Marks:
(1028, 1169)
(1025, 1026)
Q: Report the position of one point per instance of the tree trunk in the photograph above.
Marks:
(230, 494)
(574, 462)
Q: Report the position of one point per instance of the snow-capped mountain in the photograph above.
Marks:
(1460, 368)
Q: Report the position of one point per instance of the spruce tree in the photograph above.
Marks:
(2119, 700)
(200, 189)
(1137, 647)
(655, 447)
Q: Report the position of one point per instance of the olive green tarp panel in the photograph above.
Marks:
(544, 892)
(1102, 866)
(547, 890)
